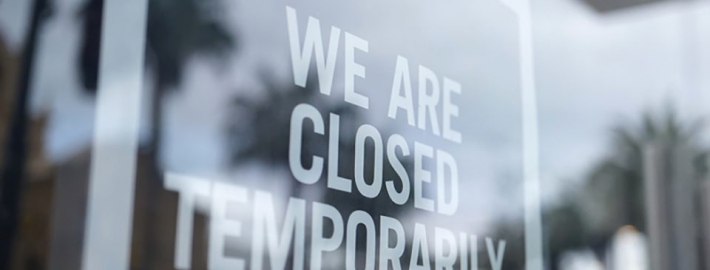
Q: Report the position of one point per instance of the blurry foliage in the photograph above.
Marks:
(177, 31)
(588, 215)
(181, 29)
(615, 185)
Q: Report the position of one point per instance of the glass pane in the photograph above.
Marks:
(325, 135)
(623, 98)
(209, 134)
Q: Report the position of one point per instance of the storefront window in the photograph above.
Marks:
(461, 134)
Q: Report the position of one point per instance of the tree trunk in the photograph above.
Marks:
(14, 167)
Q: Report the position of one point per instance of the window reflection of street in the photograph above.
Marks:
(624, 185)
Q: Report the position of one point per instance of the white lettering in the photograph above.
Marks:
(420, 249)
(301, 57)
(428, 101)
(300, 113)
(421, 175)
(397, 141)
(360, 218)
(368, 190)
(391, 253)
(189, 188)
(444, 240)
(353, 69)
(294, 226)
(334, 180)
(445, 160)
(450, 110)
(496, 259)
(401, 81)
(320, 243)
(221, 226)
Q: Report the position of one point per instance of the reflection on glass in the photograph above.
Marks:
(624, 148)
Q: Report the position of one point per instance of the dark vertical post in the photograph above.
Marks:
(13, 171)
(655, 177)
(671, 217)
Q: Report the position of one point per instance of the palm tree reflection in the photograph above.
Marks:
(612, 196)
